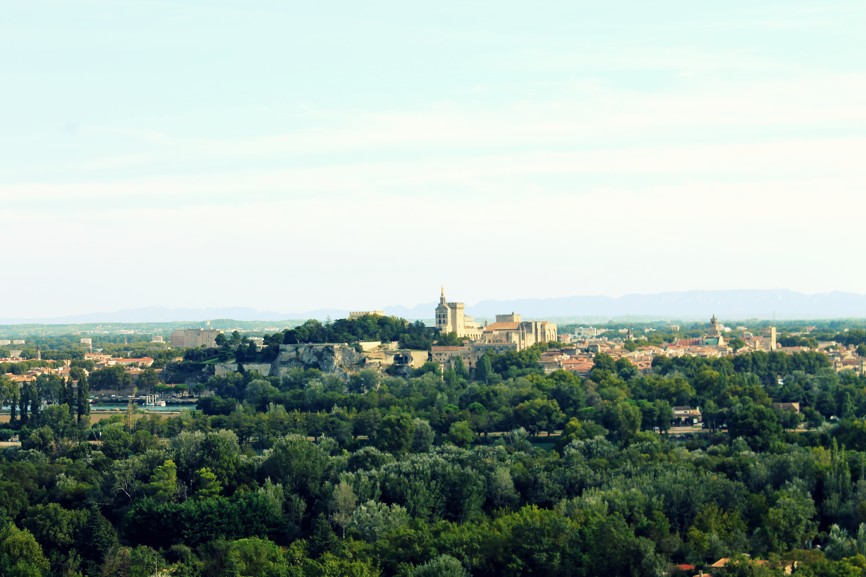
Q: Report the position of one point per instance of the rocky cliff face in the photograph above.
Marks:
(225, 368)
(328, 358)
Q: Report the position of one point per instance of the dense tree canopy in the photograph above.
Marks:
(503, 471)
(366, 328)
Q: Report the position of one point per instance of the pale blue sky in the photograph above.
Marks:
(291, 156)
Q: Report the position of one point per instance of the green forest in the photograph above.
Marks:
(499, 471)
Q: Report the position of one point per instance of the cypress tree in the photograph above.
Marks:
(13, 410)
(35, 401)
(484, 370)
(82, 402)
(25, 400)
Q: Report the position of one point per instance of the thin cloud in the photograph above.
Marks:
(614, 118)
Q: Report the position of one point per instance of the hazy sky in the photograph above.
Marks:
(296, 155)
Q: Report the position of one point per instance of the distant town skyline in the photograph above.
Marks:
(297, 157)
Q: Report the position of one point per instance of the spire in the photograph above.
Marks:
(442, 296)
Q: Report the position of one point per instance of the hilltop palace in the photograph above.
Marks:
(508, 333)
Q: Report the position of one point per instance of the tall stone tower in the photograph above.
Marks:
(715, 330)
(442, 314)
(451, 318)
(714, 338)
(770, 338)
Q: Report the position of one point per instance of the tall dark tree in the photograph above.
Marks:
(13, 410)
(23, 404)
(82, 403)
(484, 370)
(35, 401)
(67, 396)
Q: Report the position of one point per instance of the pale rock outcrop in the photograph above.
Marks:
(328, 358)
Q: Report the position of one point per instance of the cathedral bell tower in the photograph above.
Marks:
(443, 314)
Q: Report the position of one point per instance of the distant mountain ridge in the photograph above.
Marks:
(164, 314)
(684, 305)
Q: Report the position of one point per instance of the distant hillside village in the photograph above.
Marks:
(515, 446)
(579, 348)
(457, 339)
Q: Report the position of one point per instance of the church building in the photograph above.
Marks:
(508, 333)
(451, 318)
(714, 338)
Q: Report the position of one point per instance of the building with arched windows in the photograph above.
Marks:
(508, 333)
(451, 318)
